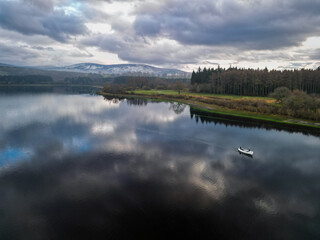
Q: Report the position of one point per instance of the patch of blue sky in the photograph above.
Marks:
(12, 155)
(80, 145)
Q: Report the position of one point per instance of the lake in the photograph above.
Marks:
(74, 165)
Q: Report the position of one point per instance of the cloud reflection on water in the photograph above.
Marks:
(103, 169)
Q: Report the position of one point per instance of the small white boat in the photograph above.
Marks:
(245, 151)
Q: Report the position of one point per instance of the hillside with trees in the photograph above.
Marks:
(252, 82)
(28, 79)
(23, 75)
(55, 75)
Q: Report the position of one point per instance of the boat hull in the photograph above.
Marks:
(245, 151)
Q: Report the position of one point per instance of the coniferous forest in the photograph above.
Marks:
(251, 82)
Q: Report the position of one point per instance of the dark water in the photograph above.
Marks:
(77, 166)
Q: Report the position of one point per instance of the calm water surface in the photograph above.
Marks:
(78, 166)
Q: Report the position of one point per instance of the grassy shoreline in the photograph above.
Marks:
(197, 101)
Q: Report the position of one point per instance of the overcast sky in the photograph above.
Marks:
(181, 34)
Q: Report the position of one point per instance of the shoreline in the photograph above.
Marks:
(210, 108)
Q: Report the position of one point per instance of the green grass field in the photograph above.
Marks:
(172, 92)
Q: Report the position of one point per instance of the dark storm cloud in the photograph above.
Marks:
(112, 43)
(142, 50)
(245, 24)
(169, 32)
(46, 5)
(211, 30)
(147, 25)
(29, 19)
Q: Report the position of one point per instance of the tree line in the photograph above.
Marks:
(253, 82)
(128, 84)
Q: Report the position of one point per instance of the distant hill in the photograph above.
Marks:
(4, 65)
(57, 76)
(88, 74)
(124, 69)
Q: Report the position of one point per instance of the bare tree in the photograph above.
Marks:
(179, 86)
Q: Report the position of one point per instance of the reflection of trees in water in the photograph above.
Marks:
(205, 117)
(112, 99)
(130, 101)
(178, 108)
(137, 101)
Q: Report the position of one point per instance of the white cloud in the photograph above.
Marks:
(170, 33)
